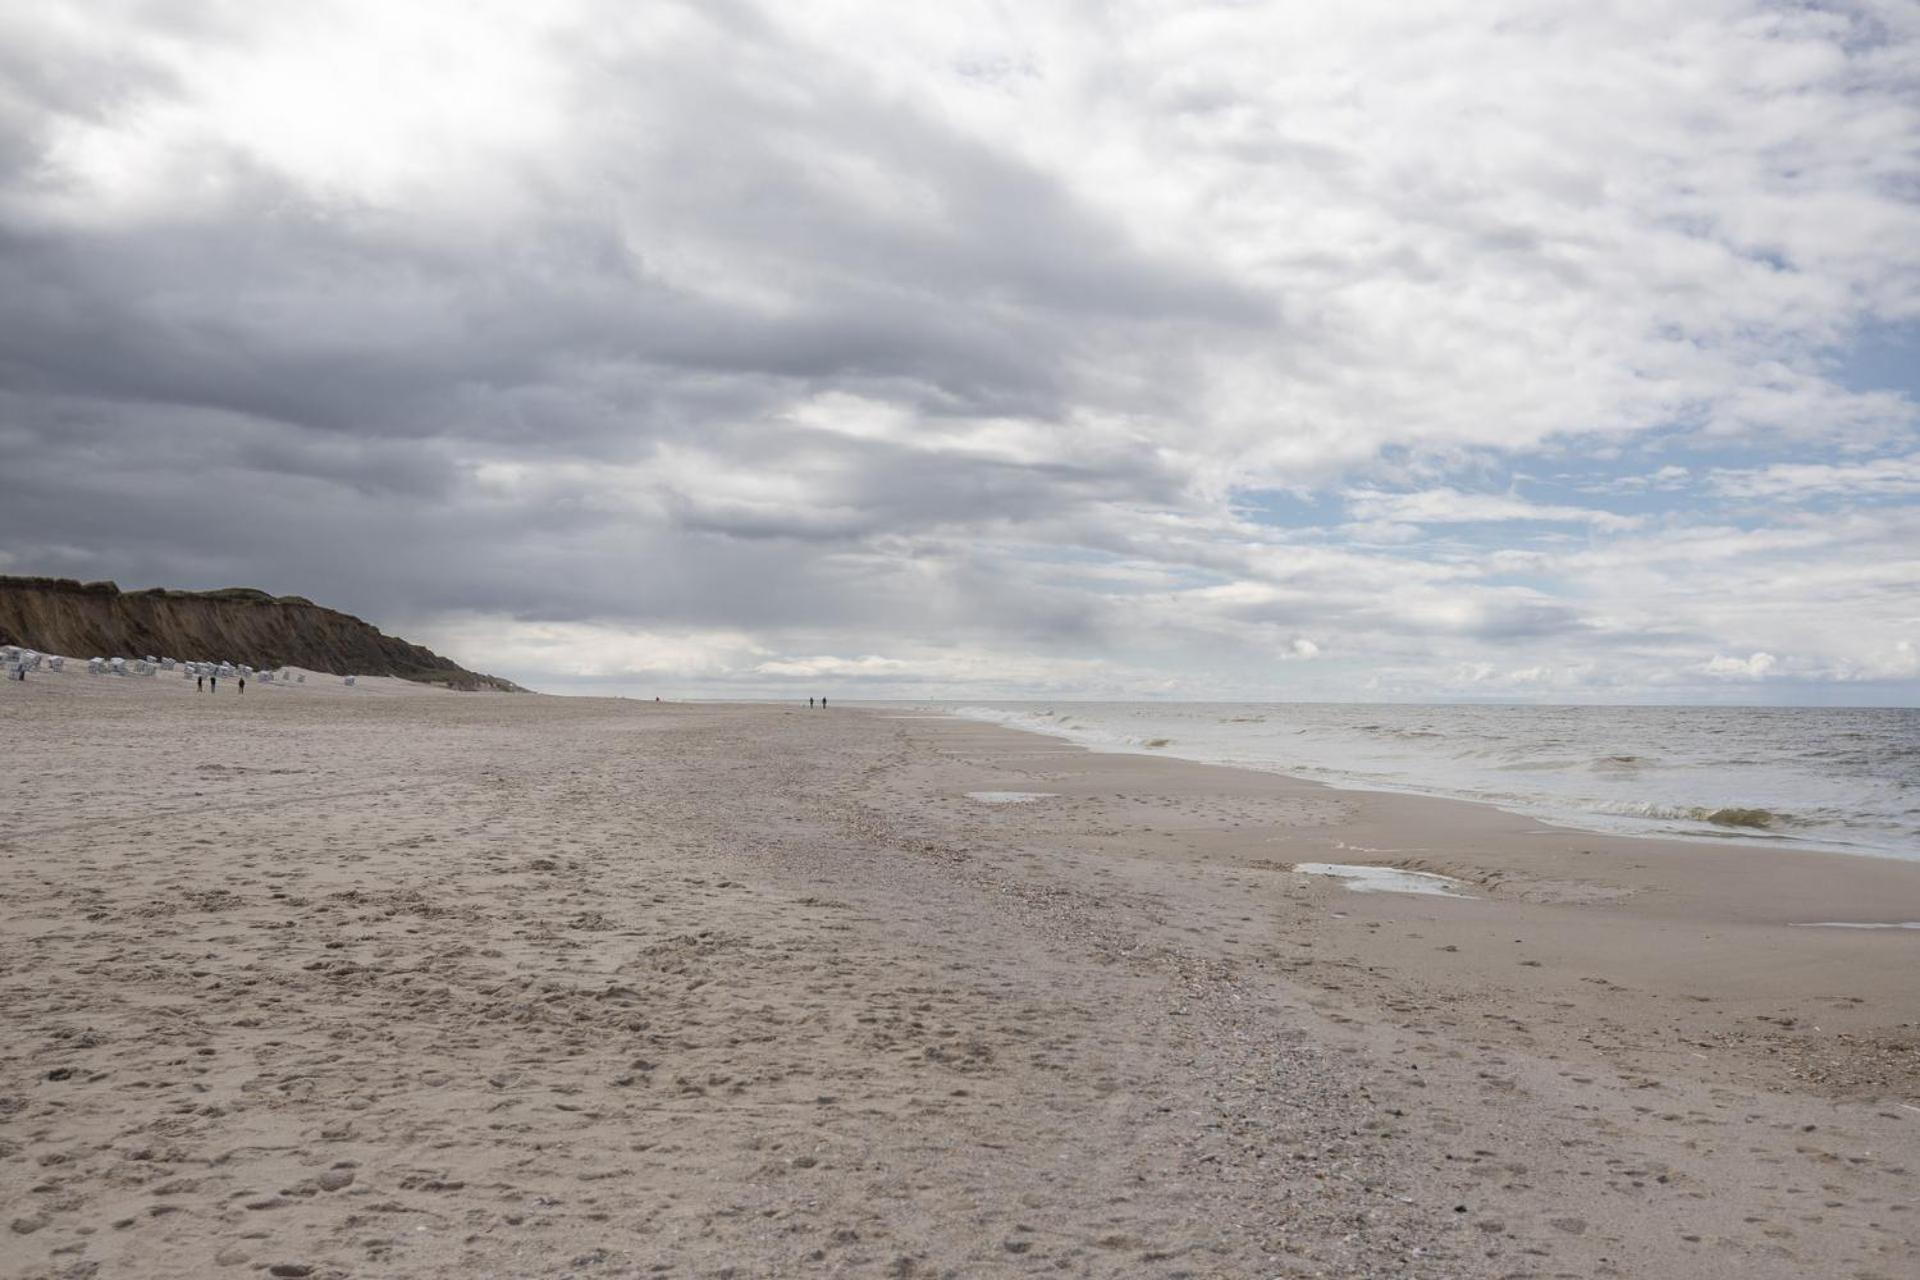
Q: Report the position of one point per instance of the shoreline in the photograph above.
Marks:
(417, 983)
(1462, 821)
(1573, 820)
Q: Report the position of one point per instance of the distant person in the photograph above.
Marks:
(809, 704)
(823, 704)
(199, 684)
(243, 684)
(213, 684)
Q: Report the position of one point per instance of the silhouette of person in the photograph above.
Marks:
(243, 684)
(809, 703)
(199, 684)
(823, 702)
(213, 684)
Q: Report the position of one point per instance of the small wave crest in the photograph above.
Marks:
(1398, 731)
(1743, 817)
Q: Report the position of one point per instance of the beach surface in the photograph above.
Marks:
(393, 981)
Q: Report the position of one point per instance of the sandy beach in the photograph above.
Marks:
(393, 981)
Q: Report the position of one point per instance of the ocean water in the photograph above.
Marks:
(1846, 779)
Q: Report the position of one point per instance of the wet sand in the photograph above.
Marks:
(399, 982)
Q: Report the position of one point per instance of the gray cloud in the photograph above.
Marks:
(951, 337)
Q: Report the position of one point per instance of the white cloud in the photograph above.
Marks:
(929, 347)
(1752, 667)
(1900, 661)
(1881, 478)
(1450, 506)
(590, 651)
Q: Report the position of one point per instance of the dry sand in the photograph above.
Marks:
(398, 982)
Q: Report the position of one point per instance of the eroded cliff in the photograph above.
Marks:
(237, 624)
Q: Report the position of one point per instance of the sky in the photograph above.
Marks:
(1476, 349)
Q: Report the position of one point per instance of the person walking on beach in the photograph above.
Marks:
(809, 704)
(213, 684)
(199, 684)
(243, 684)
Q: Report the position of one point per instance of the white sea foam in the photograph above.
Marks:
(1384, 879)
(1010, 797)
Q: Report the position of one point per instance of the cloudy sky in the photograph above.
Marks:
(1474, 348)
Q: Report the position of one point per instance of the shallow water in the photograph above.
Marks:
(1827, 778)
(1385, 879)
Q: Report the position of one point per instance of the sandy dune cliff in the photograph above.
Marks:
(238, 624)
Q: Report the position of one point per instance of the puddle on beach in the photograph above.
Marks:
(1384, 879)
(1010, 797)
(1853, 924)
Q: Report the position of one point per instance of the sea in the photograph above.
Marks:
(1845, 779)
